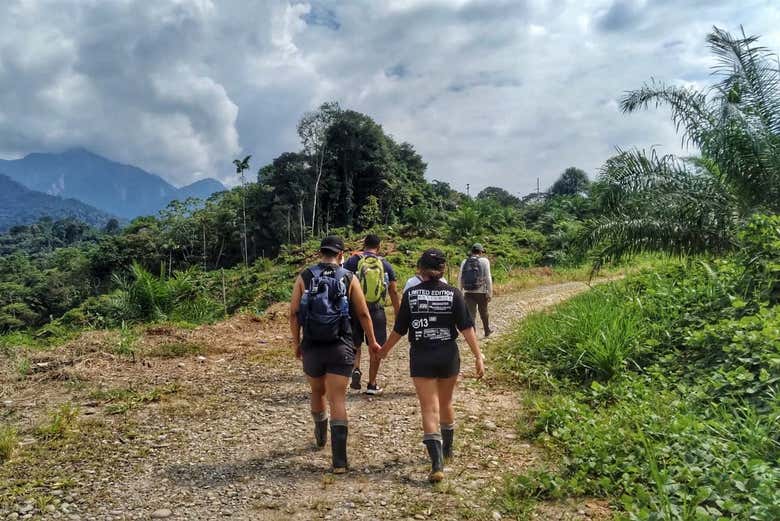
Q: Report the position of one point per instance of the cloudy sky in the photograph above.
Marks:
(490, 92)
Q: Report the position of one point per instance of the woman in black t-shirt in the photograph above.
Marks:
(433, 312)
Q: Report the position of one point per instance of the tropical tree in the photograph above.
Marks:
(499, 195)
(735, 123)
(571, 182)
(312, 129)
(242, 165)
(694, 205)
(648, 202)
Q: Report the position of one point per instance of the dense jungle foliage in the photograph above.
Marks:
(199, 260)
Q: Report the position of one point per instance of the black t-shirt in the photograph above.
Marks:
(432, 312)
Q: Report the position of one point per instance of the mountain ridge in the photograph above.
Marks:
(120, 189)
(19, 205)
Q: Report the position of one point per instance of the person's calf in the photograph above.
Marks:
(433, 444)
(447, 437)
(320, 428)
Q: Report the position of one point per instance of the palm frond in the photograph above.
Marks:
(693, 114)
(751, 77)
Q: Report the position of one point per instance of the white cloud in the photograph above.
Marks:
(489, 91)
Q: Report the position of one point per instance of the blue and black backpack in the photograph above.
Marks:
(324, 309)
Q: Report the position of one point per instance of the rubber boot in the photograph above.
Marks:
(437, 459)
(338, 445)
(321, 433)
(447, 436)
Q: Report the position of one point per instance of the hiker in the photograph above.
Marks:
(433, 312)
(377, 279)
(476, 282)
(324, 298)
(415, 280)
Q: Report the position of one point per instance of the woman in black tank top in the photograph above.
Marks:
(328, 364)
(433, 313)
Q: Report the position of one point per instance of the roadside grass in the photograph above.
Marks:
(60, 423)
(58, 463)
(122, 400)
(659, 393)
(8, 443)
(177, 349)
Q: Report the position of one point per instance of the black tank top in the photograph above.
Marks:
(329, 270)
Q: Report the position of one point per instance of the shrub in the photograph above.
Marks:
(61, 422)
(8, 443)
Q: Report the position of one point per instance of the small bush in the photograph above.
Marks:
(61, 422)
(8, 443)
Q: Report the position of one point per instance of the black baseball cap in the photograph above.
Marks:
(332, 243)
(432, 259)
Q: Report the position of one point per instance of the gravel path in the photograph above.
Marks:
(233, 438)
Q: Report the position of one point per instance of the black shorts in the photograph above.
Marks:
(334, 359)
(378, 319)
(441, 361)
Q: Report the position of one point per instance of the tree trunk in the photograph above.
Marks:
(221, 249)
(320, 163)
(205, 264)
(243, 211)
(300, 218)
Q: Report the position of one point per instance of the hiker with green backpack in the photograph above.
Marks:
(378, 281)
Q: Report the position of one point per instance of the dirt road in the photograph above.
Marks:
(224, 431)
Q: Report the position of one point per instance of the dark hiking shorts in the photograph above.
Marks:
(378, 319)
(441, 361)
(334, 359)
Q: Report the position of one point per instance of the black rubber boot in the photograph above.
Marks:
(321, 433)
(437, 460)
(338, 445)
(447, 436)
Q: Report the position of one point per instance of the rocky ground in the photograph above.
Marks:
(213, 423)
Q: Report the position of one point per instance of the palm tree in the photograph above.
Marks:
(680, 206)
(659, 203)
(240, 167)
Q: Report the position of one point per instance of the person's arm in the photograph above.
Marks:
(460, 275)
(488, 279)
(392, 289)
(465, 324)
(392, 340)
(471, 339)
(392, 285)
(400, 327)
(360, 311)
(295, 326)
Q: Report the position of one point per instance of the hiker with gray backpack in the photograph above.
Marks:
(476, 282)
(378, 281)
(325, 299)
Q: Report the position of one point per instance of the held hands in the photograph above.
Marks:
(375, 348)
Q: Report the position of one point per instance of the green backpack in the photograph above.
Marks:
(371, 274)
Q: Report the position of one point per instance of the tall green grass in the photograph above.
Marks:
(592, 336)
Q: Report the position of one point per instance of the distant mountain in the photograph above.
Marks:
(123, 190)
(20, 205)
(201, 189)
